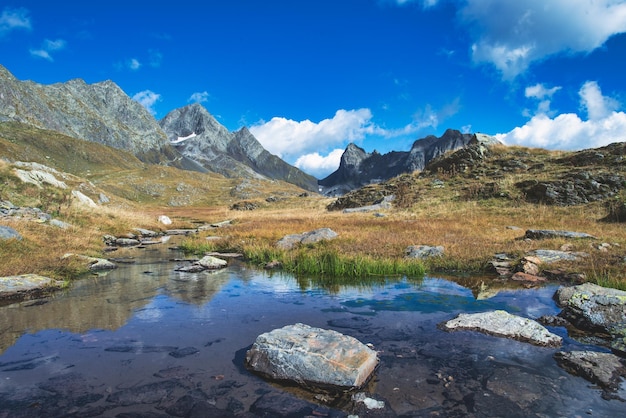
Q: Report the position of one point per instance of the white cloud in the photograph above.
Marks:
(199, 97)
(47, 47)
(320, 166)
(544, 95)
(594, 103)
(289, 138)
(568, 131)
(147, 99)
(134, 64)
(511, 35)
(12, 19)
(41, 53)
(307, 141)
(539, 91)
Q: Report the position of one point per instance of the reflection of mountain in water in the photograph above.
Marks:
(197, 288)
(108, 301)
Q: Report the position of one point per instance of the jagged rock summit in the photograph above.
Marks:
(99, 112)
(199, 137)
(359, 168)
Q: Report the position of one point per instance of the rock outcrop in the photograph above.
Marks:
(312, 357)
(596, 309)
(358, 168)
(199, 137)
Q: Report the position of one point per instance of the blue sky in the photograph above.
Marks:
(308, 77)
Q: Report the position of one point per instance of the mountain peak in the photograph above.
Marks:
(99, 112)
(359, 168)
(190, 121)
(6, 74)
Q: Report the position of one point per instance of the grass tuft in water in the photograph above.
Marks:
(328, 262)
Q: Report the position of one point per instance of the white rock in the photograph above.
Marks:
(503, 324)
(165, 220)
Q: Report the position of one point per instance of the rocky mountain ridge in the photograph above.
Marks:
(103, 113)
(198, 136)
(359, 168)
(99, 112)
(481, 172)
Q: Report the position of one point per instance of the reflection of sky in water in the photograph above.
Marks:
(437, 295)
(145, 317)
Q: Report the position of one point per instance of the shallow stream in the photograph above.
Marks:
(144, 340)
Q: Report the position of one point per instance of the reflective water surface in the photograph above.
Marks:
(145, 340)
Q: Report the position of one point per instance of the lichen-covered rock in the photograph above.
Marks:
(592, 307)
(312, 357)
(503, 324)
(290, 241)
(596, 309)
(424, 251)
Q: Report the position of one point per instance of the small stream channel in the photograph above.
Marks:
(144, 340)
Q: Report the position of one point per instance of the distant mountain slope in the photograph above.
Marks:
(359, 168)
(99, 112)
(103, 113)
(199, 137)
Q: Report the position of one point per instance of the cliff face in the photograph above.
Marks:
(99, 112)
(359, 168)
(199, 137)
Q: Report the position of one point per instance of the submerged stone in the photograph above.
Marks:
(502, 324)
(604, 369)
(312, 357)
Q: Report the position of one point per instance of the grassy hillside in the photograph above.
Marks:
(466, 202)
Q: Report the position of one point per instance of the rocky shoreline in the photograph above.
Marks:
(588, 311)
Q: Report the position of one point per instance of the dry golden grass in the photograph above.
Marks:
(471, 232)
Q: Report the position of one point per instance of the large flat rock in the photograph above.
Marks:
(19, 287)
(503, 324)
(312, 357)
(551, 233)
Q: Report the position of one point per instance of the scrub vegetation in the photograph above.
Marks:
(472, 214)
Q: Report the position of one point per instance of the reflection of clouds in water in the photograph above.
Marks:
(153, 311)
(444, 287)
(149, 314)
(202, 313)
(531, 303)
